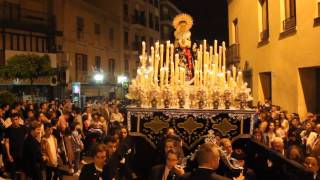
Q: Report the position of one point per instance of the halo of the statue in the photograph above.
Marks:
(185, 18)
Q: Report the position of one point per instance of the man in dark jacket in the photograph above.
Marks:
(208, 159)
(32, 156)
(94, 170)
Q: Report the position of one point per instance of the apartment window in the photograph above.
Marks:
(111, 36)
(97, 62)
(151, 23)
(264, 20)
(143, 18)
(126, 40)
(112, 66)
(157, 24)
(80, 28)
(126, 66)
(81, 66)
(290, 15)
(126, 12)
(235, 32)
(97, 28)
(266, 83)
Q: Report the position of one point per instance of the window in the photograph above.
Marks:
(111, 37)
(264, 20)
(157, 27)
(97, 28)
(266, 83)
(289, 15)
(143, 18)
(126, 40)
(81, 66)
(80, 28)
(112, 66)
(235, 32)
(151, 23)
(126, 12)
(136, 43)
(97, 62)
(126, 66)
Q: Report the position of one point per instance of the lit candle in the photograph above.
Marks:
(220, 58)
(234, 71)
(215, 46)
(161, 55)
(224, 54)
(171, 64)
(161, 77)
(167, 62)
(210, 57)
(156, 70)
(143, 48)
(228, 77)
(176, 70)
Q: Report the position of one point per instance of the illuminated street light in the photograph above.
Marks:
(98, 77)
(122, 79)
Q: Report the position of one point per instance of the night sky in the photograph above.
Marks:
(210, 18)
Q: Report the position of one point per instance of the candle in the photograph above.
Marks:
(215, 46)
(210, 57)
(239, 79)
(220, 58)
(161, 55)
(156, 69)
(167, 62)
(171, 64)
(176, 70)
(234, 72)
(224, 54)
(216, 62)
(228, 77)
(161, 77)
(143, 48)
(204, 47)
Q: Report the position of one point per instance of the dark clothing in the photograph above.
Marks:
(90, 172)
(53, 170)
(157, 173)
(205, 174)
(32, 158)
(16, 136)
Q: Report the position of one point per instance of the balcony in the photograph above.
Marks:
(317, 19)
(233, 54)
(264, 37)
(12, 16)
(289, 27)
(289, 23)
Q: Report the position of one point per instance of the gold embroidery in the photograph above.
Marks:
(224, 127)
(156, 125)
(190, 125)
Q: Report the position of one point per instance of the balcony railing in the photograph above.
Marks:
(264, 35)
(233, 53)
(16, 17)
(289, 23)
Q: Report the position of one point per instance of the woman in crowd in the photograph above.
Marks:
(270, 134)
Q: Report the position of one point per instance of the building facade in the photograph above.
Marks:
(167, 12)
(279, 41)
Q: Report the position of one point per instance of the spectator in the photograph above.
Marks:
(32, 155)
(94, 170)
(312, 165)
(50, 150)
(170, 170)
(14, 138)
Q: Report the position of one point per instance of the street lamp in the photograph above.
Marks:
(98, 77)
(122, 79)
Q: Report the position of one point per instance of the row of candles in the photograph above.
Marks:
(209, 67)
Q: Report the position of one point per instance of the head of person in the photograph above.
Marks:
(100, 155)
(171, 132)
(123, 132)
(48, 129)
(35, 129)
(271, 127)
(295, 121)
(226, 145)
(240, 156)
(172, 158)
(309, 126)
(295, 153)
(257, 135)
(277, 144)
(312, 164)
(170, 144)
(111, 144)
(15, 117)
(317, 128)
(30, 113)
(277, 123)
(208, 156)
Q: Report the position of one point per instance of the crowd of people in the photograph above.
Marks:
(55, 139)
